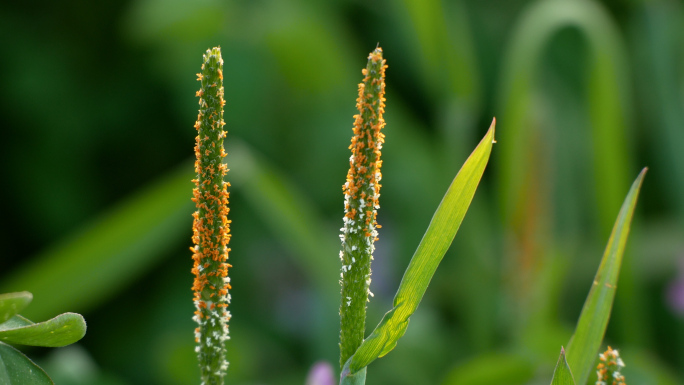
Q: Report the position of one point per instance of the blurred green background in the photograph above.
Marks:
(97, 104)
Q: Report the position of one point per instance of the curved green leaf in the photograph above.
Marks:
(13, 303)
(435, 242)
(60, 331)
(17, 369)
(593, 320)
(562, 374)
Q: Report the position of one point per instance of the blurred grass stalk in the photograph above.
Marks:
(524, 174)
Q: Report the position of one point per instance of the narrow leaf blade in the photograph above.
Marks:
(13, 303)
(431, 250)
(591, 326)
(562, 374)
(17, 369)
(104, 256)
(60, 331)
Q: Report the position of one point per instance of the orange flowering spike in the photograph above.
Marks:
(210, 225)
(361, 192)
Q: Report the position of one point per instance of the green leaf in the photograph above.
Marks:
(435, 242)
(13, 303)
(562, 374)
(17, 369)
(60, 331)
(591, 326)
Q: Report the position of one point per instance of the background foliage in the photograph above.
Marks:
(97, 105)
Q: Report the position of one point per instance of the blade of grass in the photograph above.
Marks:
(562, 374)
(437, 239)
(282, 207)
(109, 253)
(291, 219)
(593, 320)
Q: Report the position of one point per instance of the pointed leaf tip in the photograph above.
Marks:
(562, 375)
(492, 127)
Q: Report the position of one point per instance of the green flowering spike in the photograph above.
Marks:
(361, 192)
(608, 369)
(211, 227)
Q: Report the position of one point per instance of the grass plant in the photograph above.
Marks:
(582, 90)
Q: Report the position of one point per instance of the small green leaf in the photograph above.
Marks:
(13, 303)
(435, 242)
(17, 369)
(62, 330)
(591, 326)
(562, 374)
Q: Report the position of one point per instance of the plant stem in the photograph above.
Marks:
(361, 193)
(211, 228)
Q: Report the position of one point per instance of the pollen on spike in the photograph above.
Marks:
(211, 228)
(361, 191)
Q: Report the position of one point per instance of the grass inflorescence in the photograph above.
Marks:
(211, 227)
(361, 193)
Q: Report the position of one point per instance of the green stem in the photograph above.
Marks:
(361, 192)
(211, 228)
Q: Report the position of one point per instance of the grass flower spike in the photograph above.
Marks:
(608, 369)
(361, 193)
(211, 227)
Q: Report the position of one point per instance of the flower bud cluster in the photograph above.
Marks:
(608, 369)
